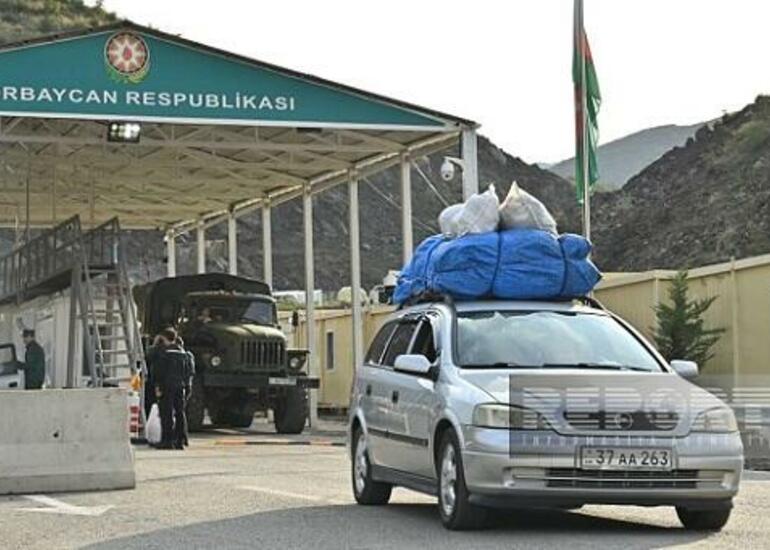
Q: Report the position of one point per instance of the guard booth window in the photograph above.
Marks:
(424, 342)
(399, 344)
(330, 350)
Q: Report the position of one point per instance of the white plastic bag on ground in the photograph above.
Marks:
(479, 214)
(153, 431)
(520, 209)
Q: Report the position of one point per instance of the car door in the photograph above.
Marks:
(10, 374)
(414, 404)
(387, 392)
(370, 391)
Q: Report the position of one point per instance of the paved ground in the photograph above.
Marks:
(254, 490)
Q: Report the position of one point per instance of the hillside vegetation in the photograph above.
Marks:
(23, 19)
(702, 203)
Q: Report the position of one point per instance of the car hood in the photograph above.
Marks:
(581, 401)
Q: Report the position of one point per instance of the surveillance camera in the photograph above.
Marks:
(447, 169)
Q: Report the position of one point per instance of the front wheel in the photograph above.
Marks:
(196, 407)
(703, 520)
(457, 513)
(365, 489)
(290, 411)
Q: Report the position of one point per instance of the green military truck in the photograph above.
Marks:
(242, 360)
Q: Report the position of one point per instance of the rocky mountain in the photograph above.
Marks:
(623, 158)
(701, 203)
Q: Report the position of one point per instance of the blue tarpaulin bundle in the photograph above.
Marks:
(516, 264)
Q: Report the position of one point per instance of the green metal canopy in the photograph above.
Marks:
(220, 132)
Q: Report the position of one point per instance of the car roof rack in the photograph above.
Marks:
(428, 297)
(432, 297)
(590, 301)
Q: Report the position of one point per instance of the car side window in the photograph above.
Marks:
(424, 342)
(377, 346)
(399, 344)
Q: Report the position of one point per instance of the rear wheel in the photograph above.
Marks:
(457, 513)
(365, 489)
(703, 520)
(240, 419)
(290, 411)
(196, 407)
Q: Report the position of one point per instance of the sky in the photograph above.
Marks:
(503, 63)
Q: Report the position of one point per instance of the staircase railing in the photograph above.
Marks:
(48, 255)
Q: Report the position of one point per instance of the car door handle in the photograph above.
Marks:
(394, 397)
(368, 390)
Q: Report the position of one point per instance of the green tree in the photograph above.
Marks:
(681, 333)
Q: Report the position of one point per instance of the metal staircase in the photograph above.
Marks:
(91, 265)
(113, 346)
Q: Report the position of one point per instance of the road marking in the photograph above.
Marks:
(287, 442)
(54, 506)
(288, 494)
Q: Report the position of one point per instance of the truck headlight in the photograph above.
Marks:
(296, 361)
(717, 420)
(216, 360)
(508, 417)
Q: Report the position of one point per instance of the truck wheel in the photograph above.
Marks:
(290, 411)
(235, 415)
(240, 419)
(217, 413)
(196, 407)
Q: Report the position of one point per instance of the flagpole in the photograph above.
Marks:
(584, 115)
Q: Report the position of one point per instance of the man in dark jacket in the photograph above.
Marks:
(34, 361)
(170, 373)
(189, 375)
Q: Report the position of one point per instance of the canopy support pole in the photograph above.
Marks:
(470, 163)
(170, 254)
(407, 238)
(355, 273)
(232, 244)
(307, 211)
(267, 244)
(200, 234)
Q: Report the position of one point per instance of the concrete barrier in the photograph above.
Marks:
(65, 440)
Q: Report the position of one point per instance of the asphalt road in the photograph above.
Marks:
(254, 490)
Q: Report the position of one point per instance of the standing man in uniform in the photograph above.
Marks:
(34, 361)
(189, 375)
(170, 375)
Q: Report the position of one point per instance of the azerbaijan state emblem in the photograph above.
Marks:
(127, 57)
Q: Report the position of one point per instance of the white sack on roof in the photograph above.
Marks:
(522, 210)
(479, 214)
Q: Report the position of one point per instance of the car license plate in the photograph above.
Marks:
(625, 458)
(276, 381)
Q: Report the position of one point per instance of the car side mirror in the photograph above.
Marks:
(414, 364)
(685, 369)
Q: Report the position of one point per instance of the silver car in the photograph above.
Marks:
(530, 404)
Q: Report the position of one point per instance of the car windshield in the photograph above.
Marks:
(548, 339)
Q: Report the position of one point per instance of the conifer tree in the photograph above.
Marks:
(681, 333)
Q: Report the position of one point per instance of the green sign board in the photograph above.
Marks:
(137, 74)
